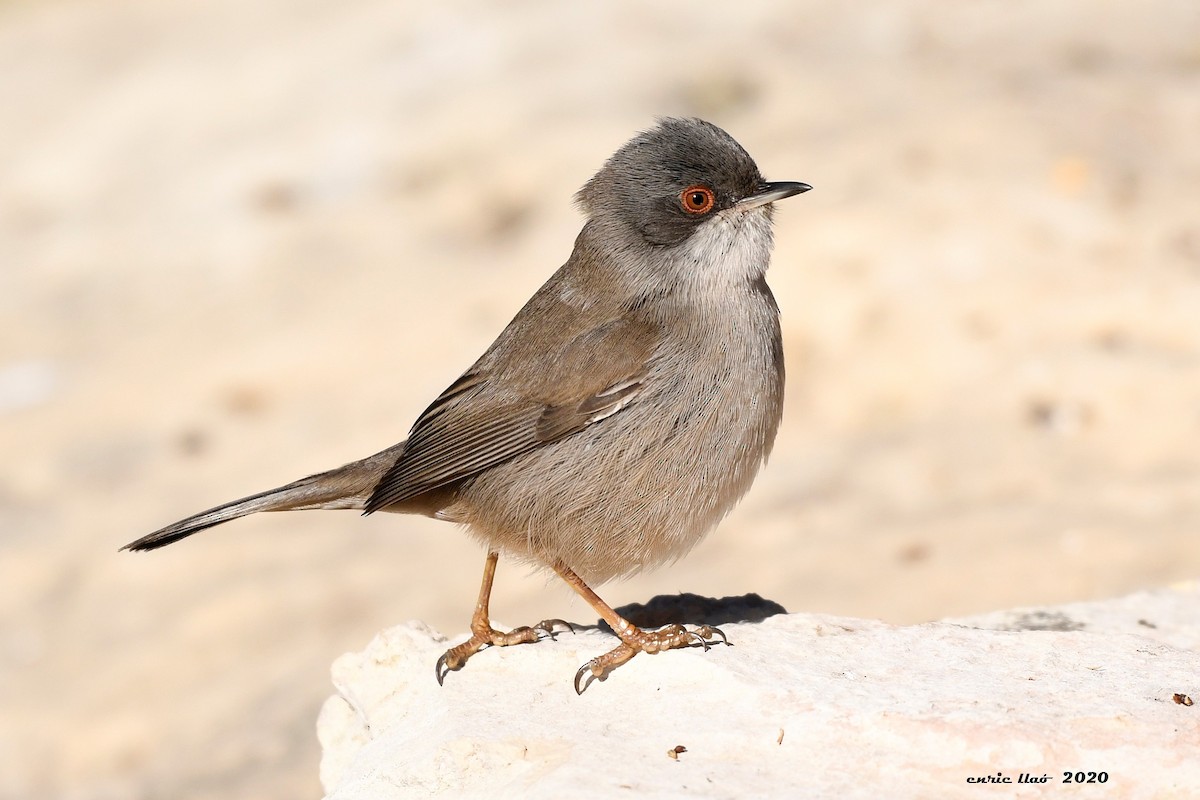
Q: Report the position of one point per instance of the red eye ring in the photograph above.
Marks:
(698, 199)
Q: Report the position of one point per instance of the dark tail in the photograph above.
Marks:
(345, 487)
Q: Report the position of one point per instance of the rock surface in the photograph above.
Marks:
(804, 705)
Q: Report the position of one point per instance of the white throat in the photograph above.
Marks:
(726, 252)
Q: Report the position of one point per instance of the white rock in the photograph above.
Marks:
(803, 706)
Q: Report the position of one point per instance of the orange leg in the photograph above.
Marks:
(634, 640)
(483, 635)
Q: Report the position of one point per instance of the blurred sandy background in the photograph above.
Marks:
(243, 242)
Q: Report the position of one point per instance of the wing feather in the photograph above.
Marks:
(491, 415)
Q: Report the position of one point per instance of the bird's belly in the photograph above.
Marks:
(639, 489)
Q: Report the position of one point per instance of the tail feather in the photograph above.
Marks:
(346, 487)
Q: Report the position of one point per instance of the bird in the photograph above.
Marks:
(619, 416)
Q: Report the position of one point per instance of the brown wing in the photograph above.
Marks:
(489, 416)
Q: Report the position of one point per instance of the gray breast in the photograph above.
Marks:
(643, 487)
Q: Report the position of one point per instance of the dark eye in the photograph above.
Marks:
(697, 199)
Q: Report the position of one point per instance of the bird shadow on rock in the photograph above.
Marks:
(694, 609)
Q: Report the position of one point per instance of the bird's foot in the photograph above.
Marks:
(484, 636)
(634, 640)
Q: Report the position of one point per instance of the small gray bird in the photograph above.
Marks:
(620, 415)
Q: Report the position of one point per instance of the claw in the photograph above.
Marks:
(485, 636)
(634, 640)
(455, 658)
(578, 675)
(441, 670)
(547, 627)
(711, 631)
(665, 638)
(708, 633)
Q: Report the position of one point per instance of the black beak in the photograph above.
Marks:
(770, 192)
